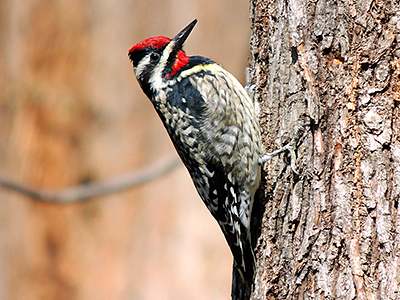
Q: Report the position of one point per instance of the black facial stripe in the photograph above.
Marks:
(137, 55)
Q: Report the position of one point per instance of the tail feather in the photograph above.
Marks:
(246, 262)
(243, 255)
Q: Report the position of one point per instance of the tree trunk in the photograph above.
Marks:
(333, 231)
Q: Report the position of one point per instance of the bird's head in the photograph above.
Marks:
(159, 58)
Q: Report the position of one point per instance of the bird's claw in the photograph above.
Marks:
(288, 147)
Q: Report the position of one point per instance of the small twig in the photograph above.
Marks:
(87, 191)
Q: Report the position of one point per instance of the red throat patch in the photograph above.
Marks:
(181, 61)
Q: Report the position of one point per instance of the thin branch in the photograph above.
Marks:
(87, 191)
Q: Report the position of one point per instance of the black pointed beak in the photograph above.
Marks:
(181, 37)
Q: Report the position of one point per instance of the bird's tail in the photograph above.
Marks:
(247, 262)
(243, 255)
(243, 274)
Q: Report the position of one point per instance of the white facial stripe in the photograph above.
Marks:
(155, 79)
(143, 64)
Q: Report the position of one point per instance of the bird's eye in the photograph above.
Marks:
(154, 57)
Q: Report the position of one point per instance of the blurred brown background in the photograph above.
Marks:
(70, 112)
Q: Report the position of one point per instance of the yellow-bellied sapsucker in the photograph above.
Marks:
(214, 128)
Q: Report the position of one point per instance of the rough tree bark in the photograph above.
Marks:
(332, 232)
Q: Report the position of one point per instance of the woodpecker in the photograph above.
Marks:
(213, 125)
